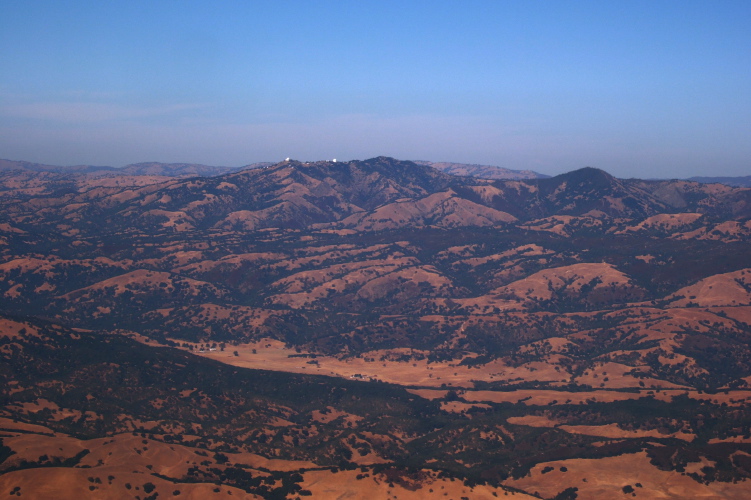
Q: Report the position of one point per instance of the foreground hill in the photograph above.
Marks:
(496, 336)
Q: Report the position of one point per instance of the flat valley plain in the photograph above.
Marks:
(372, 329)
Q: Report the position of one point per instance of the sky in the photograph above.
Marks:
(644, 89)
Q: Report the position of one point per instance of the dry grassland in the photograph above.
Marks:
(605, 478)
(75, 484)
(346, 485)
(607, 430)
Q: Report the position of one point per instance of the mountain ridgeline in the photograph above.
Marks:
(340, 195)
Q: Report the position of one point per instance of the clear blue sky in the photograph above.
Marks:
(638, 88)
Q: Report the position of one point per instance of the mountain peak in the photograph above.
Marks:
(590, 190)
(586, 174)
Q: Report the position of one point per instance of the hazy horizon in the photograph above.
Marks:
(638, 89)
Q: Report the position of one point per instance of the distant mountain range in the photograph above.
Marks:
(199, 170)
(376, 194)
(728, 181)
(147, 168)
